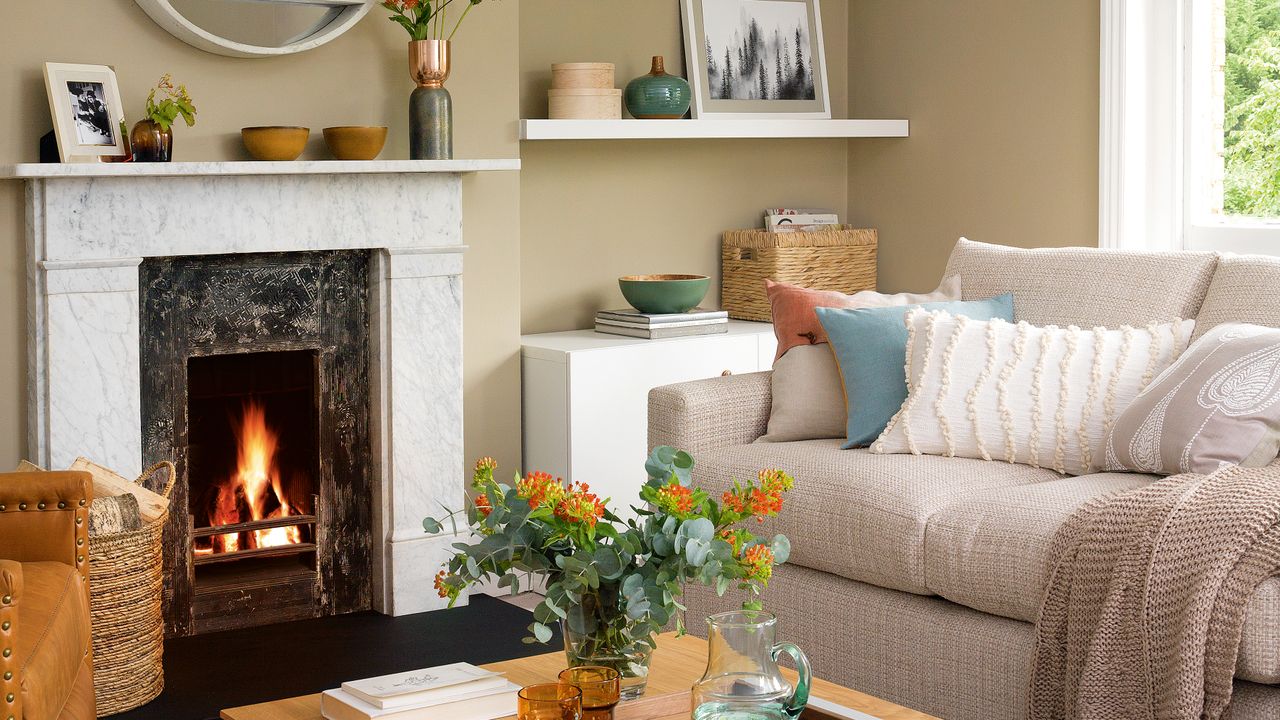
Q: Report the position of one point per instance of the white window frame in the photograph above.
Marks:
(1152, 157)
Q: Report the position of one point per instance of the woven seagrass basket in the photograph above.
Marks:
(843, 260)
(125, 586)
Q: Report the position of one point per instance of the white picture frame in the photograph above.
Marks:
(84, 101)
(761, 33)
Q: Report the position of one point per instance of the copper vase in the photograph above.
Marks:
(430, 106)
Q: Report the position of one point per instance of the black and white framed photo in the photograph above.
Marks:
(85, 103)
(756, 58)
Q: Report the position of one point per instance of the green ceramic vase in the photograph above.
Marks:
(658, 96)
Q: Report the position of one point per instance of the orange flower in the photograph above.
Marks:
(758, 561)
(675, 499)
(579, 505)
(732, 502)
(540, 488)
(445, 591)
(483, 505)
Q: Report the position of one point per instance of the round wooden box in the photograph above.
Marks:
(579, 76)
(584, 104)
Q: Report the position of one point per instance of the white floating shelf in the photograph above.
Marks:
(708, 129)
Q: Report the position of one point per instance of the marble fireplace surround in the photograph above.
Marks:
(90, 226)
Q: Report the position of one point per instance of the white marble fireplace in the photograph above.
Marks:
(91, 226)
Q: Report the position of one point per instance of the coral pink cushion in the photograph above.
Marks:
(795, 322)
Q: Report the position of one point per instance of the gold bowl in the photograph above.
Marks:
(355, 142)
(275, 142)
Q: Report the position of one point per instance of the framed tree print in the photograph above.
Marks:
(86, 109)
(756, 58)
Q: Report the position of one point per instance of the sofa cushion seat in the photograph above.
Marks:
(859, 515)
(52, 636)
(990, 552)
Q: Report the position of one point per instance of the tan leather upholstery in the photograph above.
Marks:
(46, 663)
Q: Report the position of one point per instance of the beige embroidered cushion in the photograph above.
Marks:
(1044, 397)
(1218, 405)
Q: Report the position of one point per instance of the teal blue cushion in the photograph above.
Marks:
(870, 345)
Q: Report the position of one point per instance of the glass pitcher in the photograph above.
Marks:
(742, 681)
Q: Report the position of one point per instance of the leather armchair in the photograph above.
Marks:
(46, 659)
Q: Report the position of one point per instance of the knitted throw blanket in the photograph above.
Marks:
(1144, 609)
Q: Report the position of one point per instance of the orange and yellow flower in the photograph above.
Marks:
(540, 489)
(758, 562)
(483, 505)
(675, 499)
(445, 590)
(580, 505)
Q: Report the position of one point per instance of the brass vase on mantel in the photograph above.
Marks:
(430, 107)
(150, 142)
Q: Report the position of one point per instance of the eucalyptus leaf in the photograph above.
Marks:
(781, 548)
(432, 526)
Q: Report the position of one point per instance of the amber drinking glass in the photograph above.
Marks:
(549, 701)
(601, 689)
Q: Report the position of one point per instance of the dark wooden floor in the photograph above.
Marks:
(206, 673)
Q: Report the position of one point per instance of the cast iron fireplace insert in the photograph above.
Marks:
(255, 382)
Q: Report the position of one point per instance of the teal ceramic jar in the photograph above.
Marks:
(658, 96)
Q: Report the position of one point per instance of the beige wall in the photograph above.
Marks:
(1003, 101)
(592, 211)
(360, 78)
(1002, 95)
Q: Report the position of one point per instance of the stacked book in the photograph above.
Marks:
(634, 323)
(460, 691)
(784, 220)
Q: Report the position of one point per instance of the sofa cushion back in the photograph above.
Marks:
(1245, 288)
(1086, 287)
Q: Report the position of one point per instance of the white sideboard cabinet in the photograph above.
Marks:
(586, 397)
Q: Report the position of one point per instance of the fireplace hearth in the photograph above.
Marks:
(259, 390)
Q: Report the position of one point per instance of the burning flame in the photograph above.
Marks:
(255, 484)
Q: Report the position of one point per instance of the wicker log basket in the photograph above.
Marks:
(842, 260)
(125, 586)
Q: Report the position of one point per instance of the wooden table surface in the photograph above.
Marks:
(677, 664)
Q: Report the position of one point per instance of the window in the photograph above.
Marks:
(1232, 129)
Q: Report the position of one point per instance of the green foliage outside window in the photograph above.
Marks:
(1252, 143)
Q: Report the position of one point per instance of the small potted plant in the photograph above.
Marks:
(152, 137)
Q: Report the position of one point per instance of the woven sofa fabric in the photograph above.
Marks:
(1217, 405)
(1245, 289)
(808, 399)
(703, 414)
(920, 652)
(988, 551)
(1085, 286)
(1044, 397)
(1260, 642)
(924, 653)
(856, 514)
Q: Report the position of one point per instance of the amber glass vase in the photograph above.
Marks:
(151, 143)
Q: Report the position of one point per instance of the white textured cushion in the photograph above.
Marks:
(1044, 397)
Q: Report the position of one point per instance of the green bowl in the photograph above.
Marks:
(664, 294)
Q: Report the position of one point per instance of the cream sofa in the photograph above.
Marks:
(918, 579)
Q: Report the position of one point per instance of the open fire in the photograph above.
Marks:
(252, 493)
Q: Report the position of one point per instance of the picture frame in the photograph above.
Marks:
(763, 36)
(84, 101)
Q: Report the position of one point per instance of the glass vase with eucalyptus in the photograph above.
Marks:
(613, 585)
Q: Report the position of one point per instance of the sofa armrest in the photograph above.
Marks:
(10, 679)
(705, 414)
(44, 516)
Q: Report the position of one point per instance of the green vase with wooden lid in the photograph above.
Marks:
(658, 96)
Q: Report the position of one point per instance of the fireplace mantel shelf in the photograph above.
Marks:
(32, 171)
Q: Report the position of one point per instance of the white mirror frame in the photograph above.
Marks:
(167, 17)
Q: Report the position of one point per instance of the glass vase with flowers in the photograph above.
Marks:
(611, 584)
(152, 137)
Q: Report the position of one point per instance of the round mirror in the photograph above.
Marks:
(256, 28)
